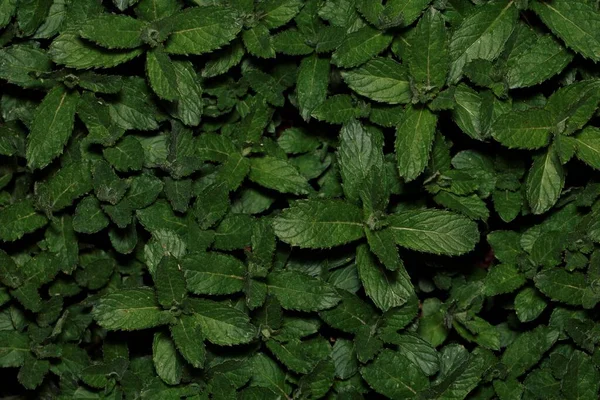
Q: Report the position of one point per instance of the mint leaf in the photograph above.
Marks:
(129, 309)
(481, 35)
(51, 127)
(380, 79)
(311, 88)
(287, 286)
(414, 139)
(545, 181)
(434, 231)
(221, 324)
(201, 30)
(392, 375)
(114, 31)
(18, 219)
(319, 224)
(575, 22)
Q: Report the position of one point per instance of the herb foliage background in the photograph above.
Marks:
(286, 199)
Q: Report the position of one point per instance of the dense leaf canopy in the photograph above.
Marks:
(300, 199)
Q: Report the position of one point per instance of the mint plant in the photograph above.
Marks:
(300, 199)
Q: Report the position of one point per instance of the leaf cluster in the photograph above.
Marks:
(300, 199)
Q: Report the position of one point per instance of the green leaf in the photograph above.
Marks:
(189, 106)
(170, 283)
(32, 373)
(127, 155)
(503, 278)
(167, 363)
(178, 193)
(10, 275)
(129, 309)
(311, 87)
(291, 42)
(7, 10)
(297, 291)
(529, 304)
(576, 22)
(161, 74)
(89, 217)
(544, 59)
(108, 186)
(51, 127)
(382, 244)
(381, 79)
(134, 109)
(573, 105)
(164, 243)
(385, 288)
(258, 42)
(417, 350)
(360, 46)
(507, 204)
(338, 109)
(471, 206)
(62, 241)
(213, 273)
(319, 224)
(114, 31)
(19, 219)
(14, 347)
(432, 325)
(414, 140)
(481, 35)
(529, 129)
(582, 380)
(221, 324)
(31, 14)
(588, 146)
(545, 181)
(527, 349)
(367, 343)
(427, 55)
(71, 51)
(434, 231)
(62, 188)
(19, 64)
(268, 374)
(392, 375)
(569, 288)
(277, 174)
(359, 153)
(274, 13)
(350, 314)
(152, 10)
(201, 30)
(189, 340)
(344, 359)
(460, 372)
(143, 190)
(224, 60)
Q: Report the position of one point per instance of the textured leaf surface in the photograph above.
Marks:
(482, 35)
(201, 30)
(414, 139)
(545, 181)
(381, 79)
(575, 22)
(51, 128)
(434, 231)
(319, 224)
(296, 291)
(221, 324)
(129, 309)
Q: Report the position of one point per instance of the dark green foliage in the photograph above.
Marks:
(299, 199)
